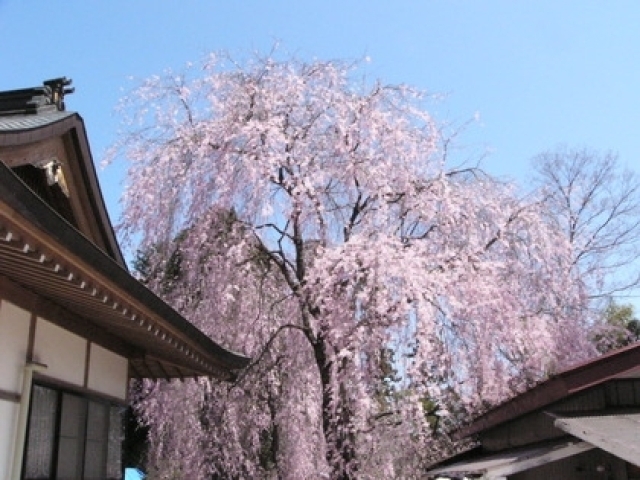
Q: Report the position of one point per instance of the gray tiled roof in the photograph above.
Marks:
(16, 123)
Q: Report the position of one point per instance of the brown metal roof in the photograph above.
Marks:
(622, 363)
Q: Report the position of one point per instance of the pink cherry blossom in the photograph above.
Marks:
(315, 224)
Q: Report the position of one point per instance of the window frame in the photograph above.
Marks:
(86, 396)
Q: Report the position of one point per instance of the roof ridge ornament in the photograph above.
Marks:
(56, 89)
(44, 99)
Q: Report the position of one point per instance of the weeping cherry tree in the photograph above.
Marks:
(318, 228)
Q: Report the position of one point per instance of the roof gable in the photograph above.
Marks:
(47, 147)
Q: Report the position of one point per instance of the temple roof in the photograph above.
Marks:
(59, 254)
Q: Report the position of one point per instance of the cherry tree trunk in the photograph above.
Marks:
(337, 416)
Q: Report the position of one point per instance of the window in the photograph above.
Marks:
(72, 437)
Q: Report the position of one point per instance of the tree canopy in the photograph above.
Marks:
(595, 201)
(311, 220)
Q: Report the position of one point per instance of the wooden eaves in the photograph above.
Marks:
(75, 275)
(54, 268)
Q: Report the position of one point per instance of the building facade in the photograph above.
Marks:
(75, 326)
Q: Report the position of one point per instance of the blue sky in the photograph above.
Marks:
(538, 73)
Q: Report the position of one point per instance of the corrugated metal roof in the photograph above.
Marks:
(617, 434)
(500, 465)
(618, 364)
(17, 123)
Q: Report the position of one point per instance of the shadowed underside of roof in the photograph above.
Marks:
(95, 296)
(510, 462)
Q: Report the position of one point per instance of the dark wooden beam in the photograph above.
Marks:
(9, 396)
(62, 317)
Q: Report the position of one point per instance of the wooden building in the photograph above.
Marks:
(75, 326)
(583, 423)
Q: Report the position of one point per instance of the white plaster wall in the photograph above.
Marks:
(107, 372)
(8, 424)
(63, 352)
(14, 339)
